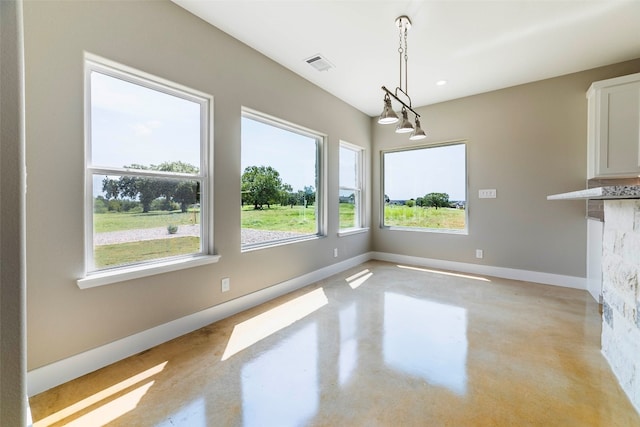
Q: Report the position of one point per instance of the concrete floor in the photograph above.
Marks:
(377, 345)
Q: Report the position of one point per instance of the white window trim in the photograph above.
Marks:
(106, 277)
(464, 231)
(361, 227)
(321, 196)
(349, 231)
(148, 268)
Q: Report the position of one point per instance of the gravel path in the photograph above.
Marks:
(115, 237)
(249, 236)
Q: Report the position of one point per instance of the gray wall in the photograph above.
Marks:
(527, 142)
(12, 267)
(162, 39)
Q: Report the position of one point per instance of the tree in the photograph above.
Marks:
(436, 200)
(309, 196)
(187, 193)
(149, 189)
(134, 187)
(100, 205)
(410, 203)
(261, 185)
(287, 196)
(182, 192)
(110, 188)
(178, 166)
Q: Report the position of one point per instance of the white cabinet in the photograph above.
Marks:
(614, 128)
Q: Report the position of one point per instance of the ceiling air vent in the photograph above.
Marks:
(319, 62)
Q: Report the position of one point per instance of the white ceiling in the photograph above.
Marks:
(477, 46)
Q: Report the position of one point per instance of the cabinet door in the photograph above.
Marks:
(619, 133)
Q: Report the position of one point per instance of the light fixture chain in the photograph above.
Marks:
(406, 60)
(400, 51)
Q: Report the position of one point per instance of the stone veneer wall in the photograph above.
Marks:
(621, 293)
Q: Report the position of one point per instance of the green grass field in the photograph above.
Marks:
(127, 253)
(280, 218)
(347, 215)
(297, 219)
(132, 252)
(117, 221)
(443, 218)
(277, 218)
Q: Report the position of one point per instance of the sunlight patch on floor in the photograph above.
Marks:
(257, 328)
(445, 273)
(112, 409)
(359, 278)
(426, 339)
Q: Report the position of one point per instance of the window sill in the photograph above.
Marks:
(138, 271)
(464, 232)
(350, 231)
(276, 243)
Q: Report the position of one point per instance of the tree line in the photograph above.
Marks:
(263, 186)
(434, 200)
(147, 189)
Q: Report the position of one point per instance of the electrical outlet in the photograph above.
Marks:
(225, 284)
(479, 253)
(487, 193)
(335, 252)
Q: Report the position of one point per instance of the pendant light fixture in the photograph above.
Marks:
(388, 115)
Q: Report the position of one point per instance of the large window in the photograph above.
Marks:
(426, 188)
(281, 181)
(351, 192)
(147, 189)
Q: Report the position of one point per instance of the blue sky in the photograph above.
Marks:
(133, 124)
(291, 154)
(414, 173)
(348, 171)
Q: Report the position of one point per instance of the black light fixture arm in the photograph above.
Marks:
(395, 96)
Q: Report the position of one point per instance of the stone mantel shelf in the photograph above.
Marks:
(611, 192)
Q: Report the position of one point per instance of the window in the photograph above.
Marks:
(281, 181)
(147, 169)
(426, 188)
(351, 195)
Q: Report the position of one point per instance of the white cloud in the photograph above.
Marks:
(146, 128)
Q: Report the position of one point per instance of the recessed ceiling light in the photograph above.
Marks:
(441, 82)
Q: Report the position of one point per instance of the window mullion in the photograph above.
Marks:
(97, 170)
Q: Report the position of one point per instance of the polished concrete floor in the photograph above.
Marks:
(378, 345)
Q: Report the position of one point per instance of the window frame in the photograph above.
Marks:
(465, 230)
(97, 277)
(360, 216)
(321, 196)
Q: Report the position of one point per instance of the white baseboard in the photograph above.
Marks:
(46, 377)
(505, 273)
